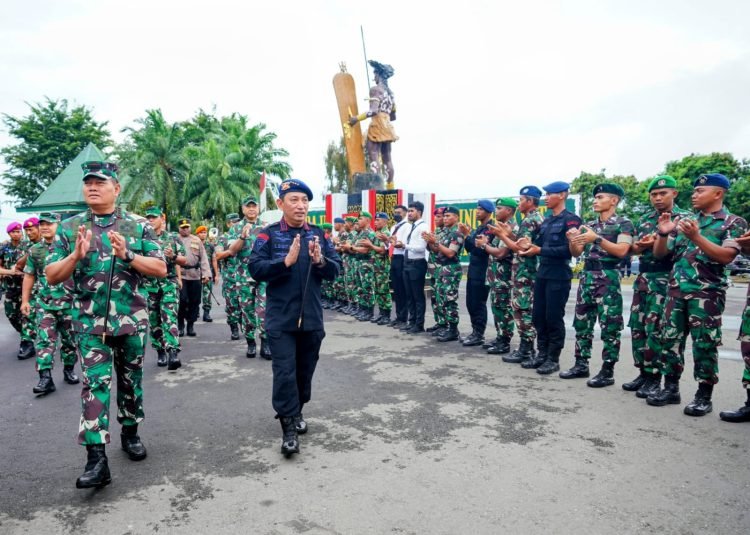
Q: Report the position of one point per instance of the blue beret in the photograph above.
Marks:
(381, 215)
(486, 205)
(713, 179)
(339, 220)
(292, 185)
(557, 187)
(531, 191)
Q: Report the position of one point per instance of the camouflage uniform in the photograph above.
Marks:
(164, 298)
(229, 282)
(10, 255)
(382, 281)
(54, 315)
(696, 297)
(431, 280)
(251, 295)
(649, 296)
(599, 293)
(126, 319)
(352, 273)
(744, 339)
(449, 274)
(365, 286)
(499, 273)
(524, 273)
(209, 286)
(339, 283)
(30, 323)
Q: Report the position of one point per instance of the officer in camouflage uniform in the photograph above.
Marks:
(29, 323)
(11, 252)
(250, 295)
(448, 249)
(366, 247)
(499, 275)
(650, 289)
(382, 271)
(107, 252)
(339, 289)
(53, 316)
(605, 241)
(210, 247)
(228, 263)
(702, 245)
(524, 274)
(352, 271)
(164, 294)
(326, 286)
(430, 279)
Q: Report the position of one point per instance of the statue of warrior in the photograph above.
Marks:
(380, 133)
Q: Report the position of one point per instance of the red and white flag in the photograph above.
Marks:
(262, 191)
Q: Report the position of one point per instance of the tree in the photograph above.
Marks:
(49, 138)
(632, 206)
(337, 167)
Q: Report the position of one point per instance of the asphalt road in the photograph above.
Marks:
(406, 436)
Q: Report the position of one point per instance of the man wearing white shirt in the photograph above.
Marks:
(398, 238)
(415, 267)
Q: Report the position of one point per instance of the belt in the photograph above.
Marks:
(596, 265)
(410, 260)
(655, 268)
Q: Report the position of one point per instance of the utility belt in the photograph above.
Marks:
(655, 267)
(448, 262)
(196, 266)
(598, 265)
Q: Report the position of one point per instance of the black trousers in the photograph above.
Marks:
(548, 314)
(190, 302)
(295, 356)
(476, 303)
(398, 287)
(414, 275)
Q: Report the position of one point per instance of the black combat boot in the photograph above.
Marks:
(433, 328)
(69, 375)
(26, 350)
(131, 443)
(524, 352)
(579, 371)
(636, 383)
(190, 329)
(669, 395)
(474, 339)
(207, 316)
(605, 377)
(366, 315)
(740, 415)
(161, 358)
(701, 404)
(535, 359)
(96, 473)
(265, 349)
(385, 318)
(289, 440)
(300, 424)
(650, 387)
(250, 348)
(45, 385)
(173, 361)
(439, 331)
(450, 333)
(235, 330)
(551, 363)
(501, 346)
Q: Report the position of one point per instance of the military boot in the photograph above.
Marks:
(190, 329)
(523, 352)
(131, 443)
(45, 385)
(161, 358)
(551, 364)
(250, 348)
(289, 439)
(636, 383)
(207, 316)
(265, 349)
(376, 317)
(740, 415)
(26, 350)
(605, 377)
(535, 359)
(579, 371)
(669, 395)
(300, 424)
(385, 318)
(449, 334)
(650, 387)
(96, 473)
(701, 404)
(235, 330)
(173, 361)
(69, 375)
(366, 315)
(501, 346)
(433, 328)
(474, 339)
(438, 331)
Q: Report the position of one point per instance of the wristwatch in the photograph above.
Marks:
(598, 240)
(129, 256)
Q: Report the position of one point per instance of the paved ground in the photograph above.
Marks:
(406, 436)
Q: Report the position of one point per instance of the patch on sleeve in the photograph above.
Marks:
(260, 241)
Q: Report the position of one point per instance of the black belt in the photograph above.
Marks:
(416, 260)
(596, 265)
(655, 268)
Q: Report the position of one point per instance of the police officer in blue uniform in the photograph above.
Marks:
(552, 285)
(293, 256)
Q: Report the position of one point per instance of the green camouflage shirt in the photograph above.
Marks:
(647, 226)
(166, 239)
(616, 229)
(229, 269)
(51, 297)
(524, 267)
(9, 256)
(370, 256)
(694, 274)
(242, 273)
(454, 240)
(127, 313)
(501, 268)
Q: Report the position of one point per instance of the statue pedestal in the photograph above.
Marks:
(365, 181)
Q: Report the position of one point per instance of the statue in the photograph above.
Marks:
(346, 98)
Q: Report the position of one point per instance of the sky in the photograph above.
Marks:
(491, 96)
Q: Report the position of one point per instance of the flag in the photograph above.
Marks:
(262, 191)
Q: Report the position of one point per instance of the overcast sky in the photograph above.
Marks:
(491, 95)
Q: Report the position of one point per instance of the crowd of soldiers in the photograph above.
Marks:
(521, 261)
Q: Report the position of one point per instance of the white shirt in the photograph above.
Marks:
(400, 236)
(416, 247)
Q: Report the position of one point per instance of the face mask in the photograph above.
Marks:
(397, 218)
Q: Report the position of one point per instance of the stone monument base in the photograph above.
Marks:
(363, 181)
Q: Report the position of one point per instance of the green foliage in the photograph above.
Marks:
(337, 167)
(49, 138)
(632, 206)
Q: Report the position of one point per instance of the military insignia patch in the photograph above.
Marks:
(662, 182)
(285, 186)
(702, 180)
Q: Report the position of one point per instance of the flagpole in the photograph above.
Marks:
(364, 50)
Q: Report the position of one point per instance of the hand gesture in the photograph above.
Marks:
(572, 233)
(744, 240)
(382, 236)
(464, 229)
(246, 231)
(25, 308)
(481, 241)
(83, 242)
(689, 228)
(500, 229)
(586, 237)
(364, 242)
(532, 250)
(119, 245)
(646, 242)
(204, 280)
(168, 252)
(314, 250)
(665, 223)
(293, 254)
(524, 244)
(429, 237)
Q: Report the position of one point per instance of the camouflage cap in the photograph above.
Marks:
(250, 199)
(663, 181)
(233, 217)
(49, 217)
(103, 170)
(154, 211)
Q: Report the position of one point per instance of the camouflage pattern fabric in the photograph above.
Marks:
(382, 281)
(250, 296)
(524, 273)
(499, 275)
(209, 286)
(431, 280)
(10, 255)
(229, 279)
(353, 272)
(744, 339)
(449, 275)
(55, 325)
(163, 306)
(365, 282)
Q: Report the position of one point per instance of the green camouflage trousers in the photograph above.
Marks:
(500, 293)
(124, 354)
(383, 286)
(366, 284)
(252, 299)
(599, 297)
(231, 302)
(55, 325)
(446, 290)
(162, 316)
(646, 313)
(701, 317)
(744, 339)
(352, 279)
(13, 310)
(431, 285)
(339, 288)
(522, 302)
(206, 296)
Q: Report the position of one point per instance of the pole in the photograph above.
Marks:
(364, 50)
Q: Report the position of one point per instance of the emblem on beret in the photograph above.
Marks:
(702, 180)
(285, 186)
(661, 182)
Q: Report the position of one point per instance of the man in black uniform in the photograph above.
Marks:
(293, 257)
(552, 285)
(476, 289)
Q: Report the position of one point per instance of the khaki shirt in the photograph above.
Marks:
(197, 266)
